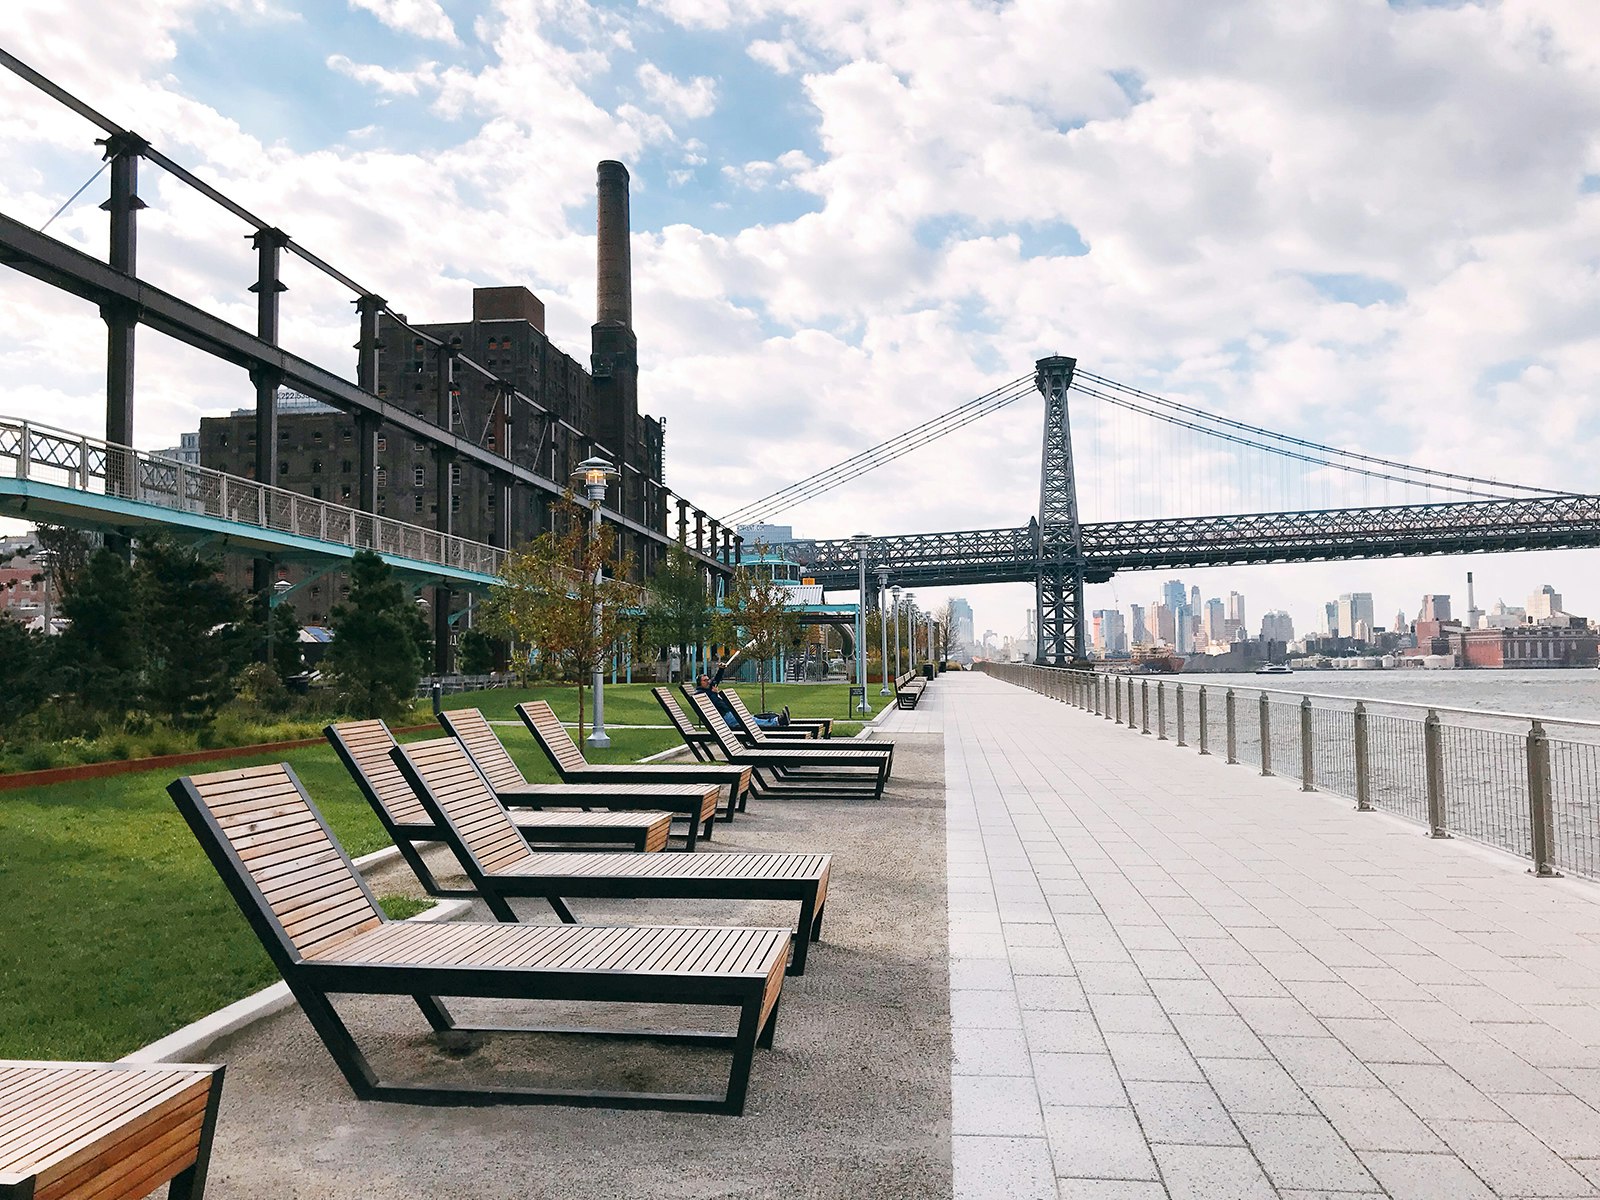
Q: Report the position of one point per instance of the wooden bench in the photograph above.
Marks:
(324, 931)
(363, 747)
(908, 690)
(797, 770)
(759, 738)
(501, 866)
(573, 767)
(106, 1131)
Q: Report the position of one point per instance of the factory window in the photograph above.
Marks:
(490, 503)
(249, 439)
(283, 435)
(347, 466)
(416, 450)
(383, 477)
(316, 436)
(283, 468)
(316, 466)
(419, 476)
(416, 503)
(383, 504)
(383, 443)
(316, 492)
(222, 439)
(344, 491)
(344, 436)
(455, 474)
(455, 503)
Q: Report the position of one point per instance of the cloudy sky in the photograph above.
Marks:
(1372, 224)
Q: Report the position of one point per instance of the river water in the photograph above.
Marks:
(1559, 695)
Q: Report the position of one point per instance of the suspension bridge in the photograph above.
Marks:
(1270, 497)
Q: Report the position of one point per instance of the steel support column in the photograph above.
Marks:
(368, 350)
(121, 318)
(1058, 584)
(269, 244)
(443, 492)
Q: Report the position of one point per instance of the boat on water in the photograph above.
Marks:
(1275, 669)
(1156, 660)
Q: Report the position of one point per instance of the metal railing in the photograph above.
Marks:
(1494, 777)
(30, 451)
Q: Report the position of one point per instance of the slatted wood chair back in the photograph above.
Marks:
(675, 714)
(552, 735)
(364, 747)
(472, 729)
(712, 716)
(442, 772)
(292, 879)
(757, 734)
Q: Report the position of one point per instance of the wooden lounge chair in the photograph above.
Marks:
(757, 737)
(363, 747)
(570, 764)
(795, 770)
(501, 866)
(324, 931)
(106, 1131)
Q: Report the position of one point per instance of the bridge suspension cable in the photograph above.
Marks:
(886, 451)
(1501, 487)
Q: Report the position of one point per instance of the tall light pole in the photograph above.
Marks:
(861, 541)
(895, 615)
(883, 631)
(911, 641)
(596, 473)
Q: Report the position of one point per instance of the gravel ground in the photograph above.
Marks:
(853, 1100)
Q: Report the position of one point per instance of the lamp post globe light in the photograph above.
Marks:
(910, 605)
(861, 541)
(883, 631)
(596, 474)
(895, 617)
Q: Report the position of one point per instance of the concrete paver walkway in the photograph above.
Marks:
(1172, 977)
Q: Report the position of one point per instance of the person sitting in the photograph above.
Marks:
(709, 685)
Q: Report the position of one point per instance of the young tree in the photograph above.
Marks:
(195, 635)
(944, 636)
(102, 649)
(373, 657)
(757, 617)
(25, 662)
(478, 652)
(284, 632)
(549, 591)
(65, 553)
(678, 611)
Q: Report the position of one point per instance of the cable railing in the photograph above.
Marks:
(1494, 777)
(30, 451)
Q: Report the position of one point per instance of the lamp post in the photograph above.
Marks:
(861, 541)
(596, 474)
(911, 641)
(895, 614)
(883, 631)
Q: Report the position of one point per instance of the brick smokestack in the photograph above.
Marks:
(614, 291)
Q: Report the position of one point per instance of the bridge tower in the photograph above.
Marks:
(1058, 545)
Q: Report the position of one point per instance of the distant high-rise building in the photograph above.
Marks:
(1400, 623)
(1435, 608)
(1194, 599)
(1173, 594)
(1111, 633)
(961, 619)
(1364, 630)
(1354, 607)
(1330, 619)
(1236, 609)
(1276, 626)
(1166, 627)
(1216, 619)
(1544, 604)
(763, 534)
(1138, 631)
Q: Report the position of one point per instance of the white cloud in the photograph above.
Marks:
(693, 99)
(420, 18)
(393, 83)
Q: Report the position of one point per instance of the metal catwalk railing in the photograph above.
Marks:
(29, 451)
(1498, 778)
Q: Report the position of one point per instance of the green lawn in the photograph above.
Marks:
(115, 930)
(632, 704)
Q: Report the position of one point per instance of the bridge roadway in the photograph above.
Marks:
(1010, 555)
(1174, 978)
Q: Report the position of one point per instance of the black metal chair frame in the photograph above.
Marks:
(498, 889)
(312, 982)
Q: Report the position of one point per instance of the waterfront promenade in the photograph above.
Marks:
(1173, 977)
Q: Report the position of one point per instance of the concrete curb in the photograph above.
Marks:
(194, 1041)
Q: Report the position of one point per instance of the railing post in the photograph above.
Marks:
(1363, 775)
(1116, 688)
(24, 449)
(1266, 735)
(1161, 710)
(1307, 780)
(1540, 805)
(1105, 696)
(1433, 761)
(1233, 733)
(1144, 706)
(1202, 718)
(1179, 696)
